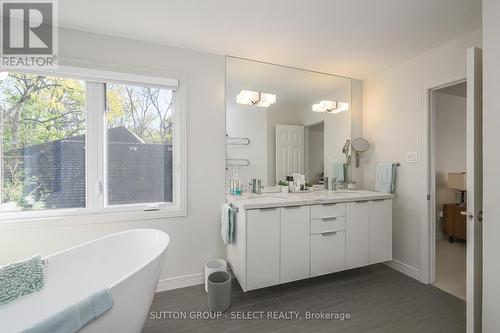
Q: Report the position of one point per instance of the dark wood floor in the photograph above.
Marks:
(377, 298)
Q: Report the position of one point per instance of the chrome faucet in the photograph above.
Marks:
(256, 185)
(337, 185)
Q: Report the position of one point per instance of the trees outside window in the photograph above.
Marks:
(43, 133)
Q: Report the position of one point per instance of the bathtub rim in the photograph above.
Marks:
(132, 272)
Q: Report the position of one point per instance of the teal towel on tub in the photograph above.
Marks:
(21, 278)
(75, 316)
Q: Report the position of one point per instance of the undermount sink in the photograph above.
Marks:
(262, 196)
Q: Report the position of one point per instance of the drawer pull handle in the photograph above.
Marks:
(268, 208)
(328, 233)
(328, 218)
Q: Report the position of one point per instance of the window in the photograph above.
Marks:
(86, 141)
(43, 143)
(139, 121)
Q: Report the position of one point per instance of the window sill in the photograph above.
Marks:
(74, 219)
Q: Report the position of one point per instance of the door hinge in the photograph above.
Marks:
(428, 197)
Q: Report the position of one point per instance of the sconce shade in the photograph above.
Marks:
(457, 181)
(330, 107)
(255, 98)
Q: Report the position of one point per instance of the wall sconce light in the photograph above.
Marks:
(330, 107)
(255, 98)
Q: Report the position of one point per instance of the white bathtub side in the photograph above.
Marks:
(132, 299)
(128, 263)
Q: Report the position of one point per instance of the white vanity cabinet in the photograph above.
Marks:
(369, 232)
(275, 245)
(357, 235)
(294, 243)
(327, 238)
(380, 231)
(263, 247)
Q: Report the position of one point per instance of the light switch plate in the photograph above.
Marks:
(411, 157)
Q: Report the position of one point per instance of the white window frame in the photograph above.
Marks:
(96, 154)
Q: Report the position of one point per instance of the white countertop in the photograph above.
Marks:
(269, 200)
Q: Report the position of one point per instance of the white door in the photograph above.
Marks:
(294, 254)
(474, 189)
(289, 151)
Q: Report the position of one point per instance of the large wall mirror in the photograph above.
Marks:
(282, 120)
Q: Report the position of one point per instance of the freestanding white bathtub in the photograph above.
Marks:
(128, 263)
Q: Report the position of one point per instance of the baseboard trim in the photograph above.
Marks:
(180, 282)
(404, 268)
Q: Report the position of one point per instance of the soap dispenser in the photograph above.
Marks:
(235, 183)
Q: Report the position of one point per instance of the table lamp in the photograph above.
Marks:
(457, 181)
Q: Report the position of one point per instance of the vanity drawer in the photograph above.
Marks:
(327, 253)
(326, 224)
(327, 210)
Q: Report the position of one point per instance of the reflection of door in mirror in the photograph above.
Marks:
(289, 151)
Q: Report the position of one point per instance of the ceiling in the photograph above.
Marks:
(347, 37)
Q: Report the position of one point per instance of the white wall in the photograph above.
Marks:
(357, 125)
(247, 122)
(450, 117)
(491, 158)
(194, 238)
(393, 122)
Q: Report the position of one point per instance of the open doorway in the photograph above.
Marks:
(315, 148)
(449, 165)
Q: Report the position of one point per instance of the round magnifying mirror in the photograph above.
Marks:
(360, 145)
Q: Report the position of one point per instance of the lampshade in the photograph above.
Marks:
(457, 181)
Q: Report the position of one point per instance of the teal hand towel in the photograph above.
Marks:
(74, 317)
(385, 177)
(225, 223)
(232, 223)
(338, 172)
(227, 220)
(21, 278)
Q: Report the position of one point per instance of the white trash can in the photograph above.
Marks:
(214, 265)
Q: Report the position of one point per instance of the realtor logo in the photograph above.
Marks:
(29, 33)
